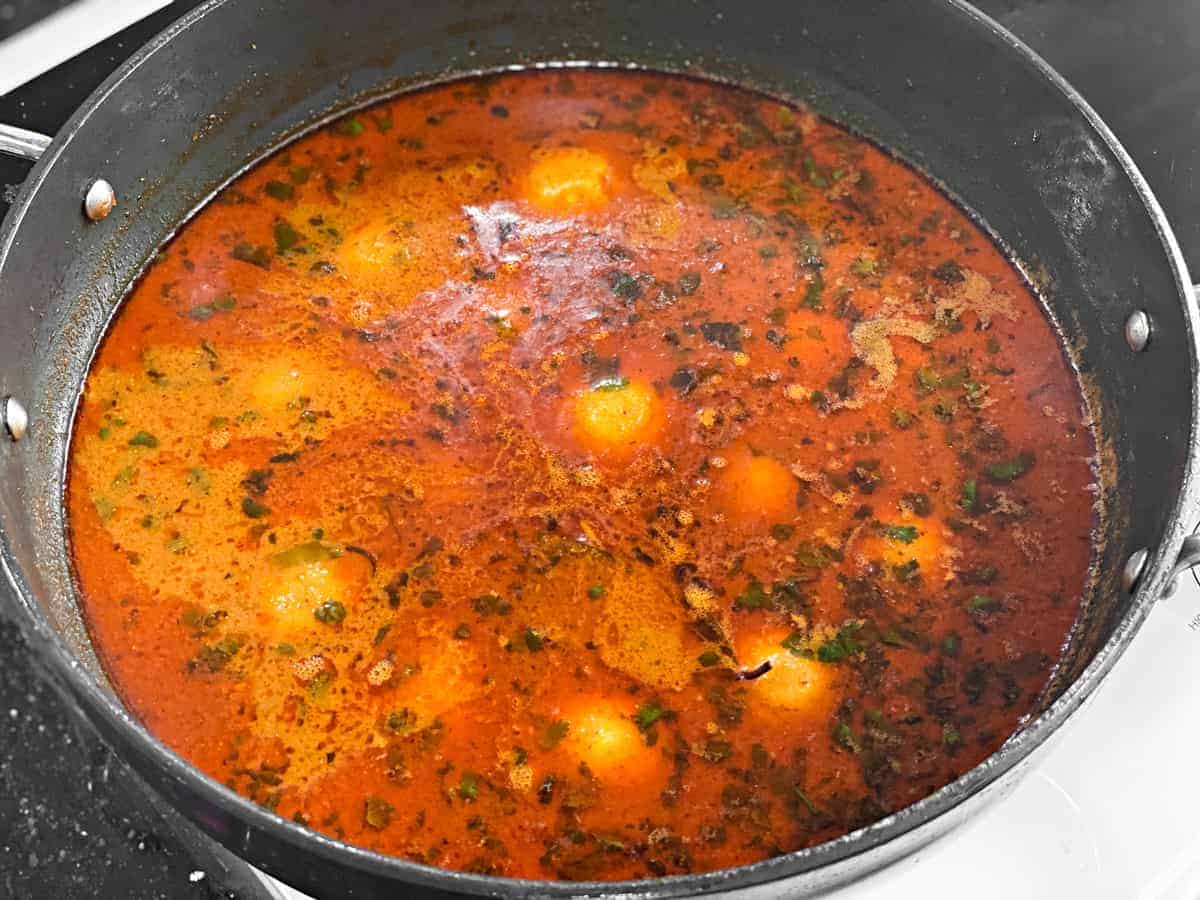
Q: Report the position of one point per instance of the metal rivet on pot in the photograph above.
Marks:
(99, 200)
(1137, 330)
(1134, 566)
(16, 420)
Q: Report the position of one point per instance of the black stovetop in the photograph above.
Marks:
(75, 822)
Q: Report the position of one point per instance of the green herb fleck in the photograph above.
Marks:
(844, 737)
(468, 786)
(252, 509)
(754, 597)
(647, 714)
(350, 127)
(803, 798)
(907, 572)
(842, 646)
(330, 612)
(927, 380)
(257, 256)
(903, 534)
(533, 640)
(595, 592)
(143, 439)
(970, 496)
(286, 237)
(782, 532)
(400, 720)
(951, 643)
(717, 750)
(815, 175)
(796, 644)
(1010, 470)
(982, 603)
(378, 813)
(279, 190)
(862, 267)
(554, 733)
(813, 292)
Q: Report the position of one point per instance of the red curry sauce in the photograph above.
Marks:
(447, 481)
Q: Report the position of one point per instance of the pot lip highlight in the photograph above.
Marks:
(100, 703)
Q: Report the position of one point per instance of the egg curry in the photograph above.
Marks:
(581, 475)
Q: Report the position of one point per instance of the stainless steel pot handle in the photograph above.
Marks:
(1188, 559)
(100, 198)
(22, 143)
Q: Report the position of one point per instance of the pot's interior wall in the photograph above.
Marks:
(924, 78)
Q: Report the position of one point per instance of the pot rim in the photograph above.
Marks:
(97, 702)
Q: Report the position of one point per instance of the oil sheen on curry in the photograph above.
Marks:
(598, 475)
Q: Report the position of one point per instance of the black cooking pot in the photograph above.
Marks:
(936, 82)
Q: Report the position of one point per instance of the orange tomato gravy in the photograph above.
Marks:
(444, 484)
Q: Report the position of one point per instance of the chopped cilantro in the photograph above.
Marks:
(927, 380)
(647, 714)
(279, 190)
(468, 786)
(982, 603)
(796, 643)
(253, 509)
(726, 335)
(844, 737)
(533, 640)
(330, 612)
(903, 534)
(951, 643)
(812, 293)
(754, 597)
(286, 237)
(1011, 469)
(970, 496)
(378, 813)
(842, 646)
(554, 733)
